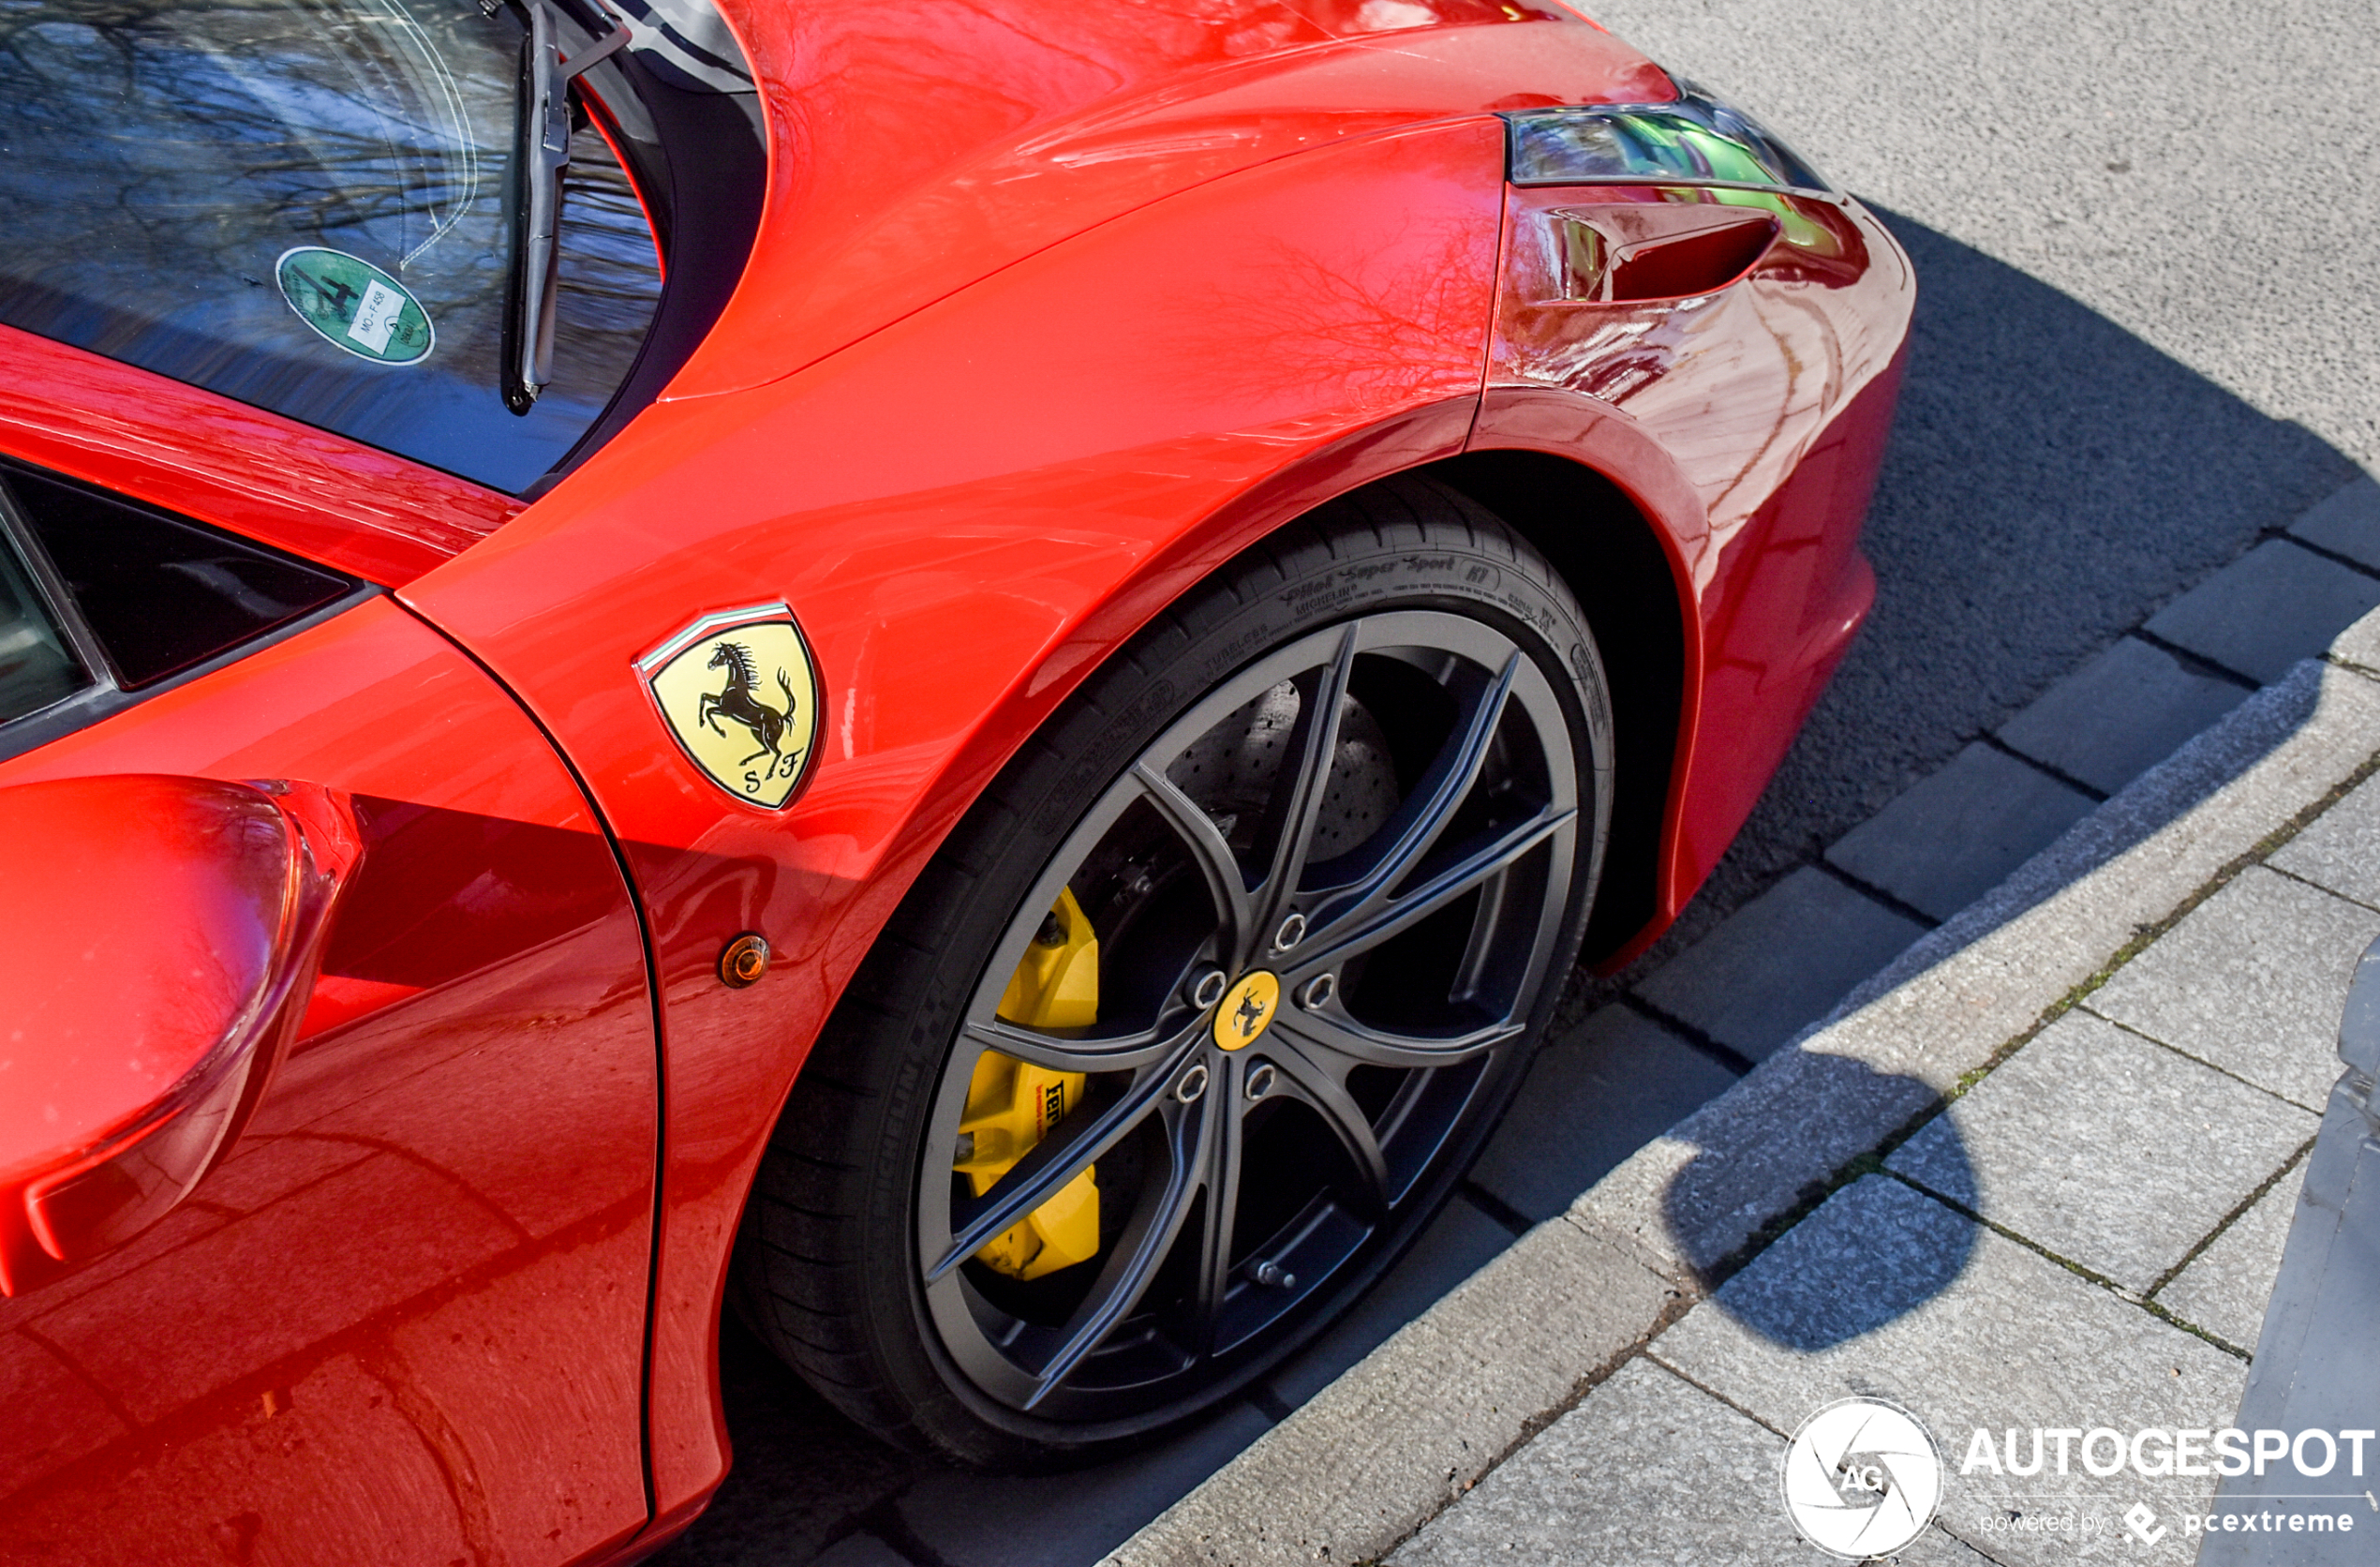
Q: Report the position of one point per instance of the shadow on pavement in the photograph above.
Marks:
(1821, 1310)
(2051, 480)
(802, 1472)
(809, 1486)
(1842, 1107)
(1880, 1252)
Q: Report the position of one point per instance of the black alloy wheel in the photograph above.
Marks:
(1334, 887)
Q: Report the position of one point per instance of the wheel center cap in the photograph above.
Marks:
(1246, 1008)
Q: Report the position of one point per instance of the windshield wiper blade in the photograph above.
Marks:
(541, 157)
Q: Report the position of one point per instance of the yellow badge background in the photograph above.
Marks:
(1246, 1010)
(726, 731)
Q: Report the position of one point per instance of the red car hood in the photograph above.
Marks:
(917, 145)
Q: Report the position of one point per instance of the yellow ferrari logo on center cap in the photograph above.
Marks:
(740, 697)
(1245, 1009)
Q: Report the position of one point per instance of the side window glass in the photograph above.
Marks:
(306, 205)
(37, 669)
(103, 601)
(158, 594)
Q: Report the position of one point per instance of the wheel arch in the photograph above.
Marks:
(1607, 552)
(1609, 512)
(1171, 665)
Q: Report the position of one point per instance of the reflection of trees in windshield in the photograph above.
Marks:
(163, 154)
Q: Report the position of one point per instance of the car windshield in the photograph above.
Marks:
(304, 204)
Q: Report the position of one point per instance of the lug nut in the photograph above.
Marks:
(1292, 931)
(1193, 1084)
(1318, 991)
(1260, 1080)
(1209, 988)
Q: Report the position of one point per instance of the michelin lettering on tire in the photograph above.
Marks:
(1861, 1477)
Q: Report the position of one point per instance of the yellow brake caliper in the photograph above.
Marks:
(1013, 1104)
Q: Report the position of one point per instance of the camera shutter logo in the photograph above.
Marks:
(1862, 1477)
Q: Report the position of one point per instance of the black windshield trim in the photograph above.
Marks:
(703, 184)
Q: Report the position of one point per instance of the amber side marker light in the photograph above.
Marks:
(745, 960)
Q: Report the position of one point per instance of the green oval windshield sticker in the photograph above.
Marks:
(355, 304)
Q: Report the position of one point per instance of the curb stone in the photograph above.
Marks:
(1416, 1423)
(1945, 1007)
(1375, 1455)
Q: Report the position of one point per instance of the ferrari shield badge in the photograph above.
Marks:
(739, 690)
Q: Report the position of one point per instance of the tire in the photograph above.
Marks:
(1450, 809)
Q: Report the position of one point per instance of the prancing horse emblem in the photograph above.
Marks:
(736, 703)
(1243, 1010)
(740, 697)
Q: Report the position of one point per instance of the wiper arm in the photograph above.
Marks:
(541, 157)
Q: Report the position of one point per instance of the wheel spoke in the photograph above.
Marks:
(1226, 882)
(1121, 1053)
(1106, 1113)
(1298, 798)
(1311, 1081)
(1138, 1251)
(1323, 1035)
(1438, 796)
(1480, 945)
(1372, 921)
(1222, 1178)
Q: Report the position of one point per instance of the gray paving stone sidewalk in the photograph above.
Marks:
(2107, 1148)
(2084, 1237)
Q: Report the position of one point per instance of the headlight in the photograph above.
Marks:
(1695, 141)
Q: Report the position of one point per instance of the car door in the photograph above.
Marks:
(401, 1318)
(259, 313)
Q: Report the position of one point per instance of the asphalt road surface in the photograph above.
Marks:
(2148, 241)
(2147, 246)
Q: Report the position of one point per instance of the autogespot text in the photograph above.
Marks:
(2157, 1452)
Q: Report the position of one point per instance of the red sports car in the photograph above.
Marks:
(960, 672)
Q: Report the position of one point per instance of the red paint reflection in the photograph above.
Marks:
(403, 1319)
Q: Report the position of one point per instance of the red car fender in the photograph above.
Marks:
(1744, 412)
(965, 511)
(897, 197)
(1598, 437)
